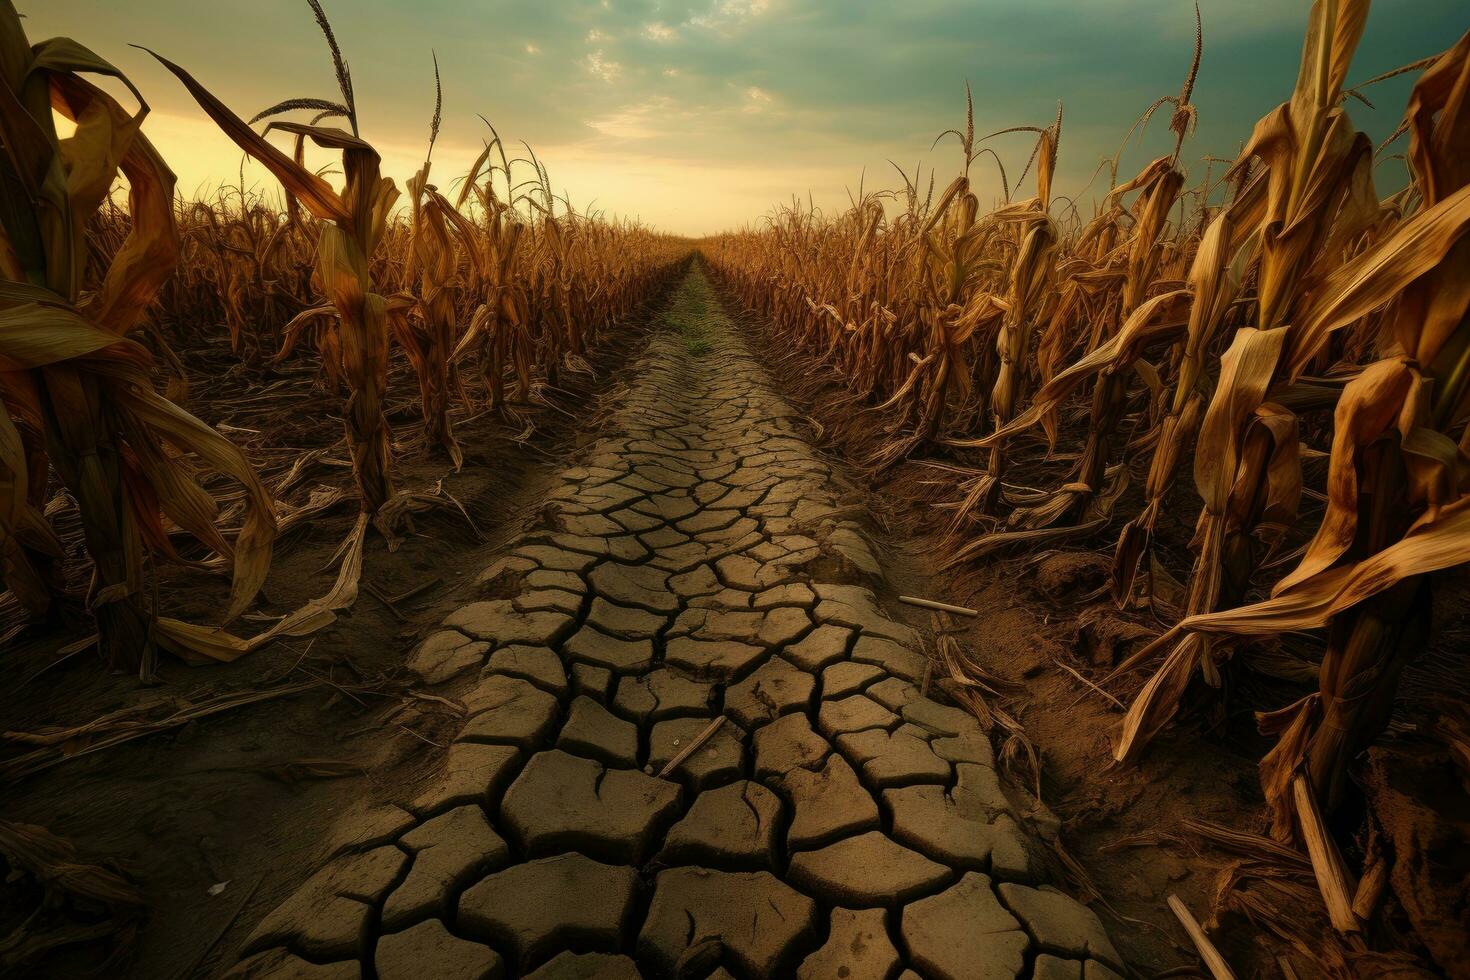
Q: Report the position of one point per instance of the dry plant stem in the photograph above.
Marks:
(364, 315)
(692, 747)
(940, 606)
(1030, 277)
(1367, 651)
(73, 418)
(1091, 686)
(1160, 188)
(431, 341)
(1214, 280)
(1214, 962)
(1333, 878)
(55, 749)
(1370, 889)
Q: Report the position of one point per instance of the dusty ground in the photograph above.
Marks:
(221, 820)
(898, 818)
(693, 577)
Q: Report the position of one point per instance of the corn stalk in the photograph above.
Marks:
(948, 250)
(77, 393)
(1214, 282)
(1398, 482)
(429, 340)
(1247, 464)
(353, 226)
(1024, 305)
(498, 327)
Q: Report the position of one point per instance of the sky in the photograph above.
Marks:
(696, 116)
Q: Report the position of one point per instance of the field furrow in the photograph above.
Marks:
(694, 741)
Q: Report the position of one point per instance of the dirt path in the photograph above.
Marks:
(695, 566)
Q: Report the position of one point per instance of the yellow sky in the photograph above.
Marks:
(701, 115)
(667, 194)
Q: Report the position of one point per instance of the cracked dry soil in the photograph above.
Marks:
(693, 565)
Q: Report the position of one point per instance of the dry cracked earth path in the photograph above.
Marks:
(695, 566)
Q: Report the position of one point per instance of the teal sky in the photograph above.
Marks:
(699, 115)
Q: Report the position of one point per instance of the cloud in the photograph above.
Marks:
(602, 67)
(773, 96)
(728, 11)
(756, 98)
(641, 121)
(722, 16)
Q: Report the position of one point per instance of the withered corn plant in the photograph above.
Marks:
(1035, 235)
(1177, 326)
(1247, 462)
(950, 251)
(352, 227)
(1214, 282)
(1398, 486)
(498, 328)
(77, 393)
(1115, 289)
(439, 231)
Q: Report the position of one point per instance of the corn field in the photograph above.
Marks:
(489, 298)
(1273, 354)
(1070, 368)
